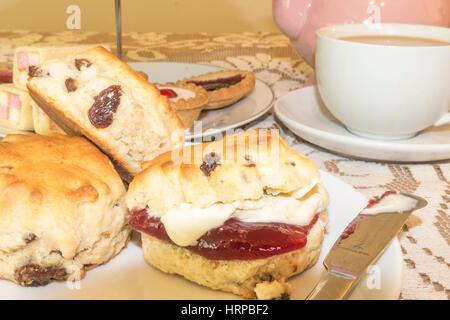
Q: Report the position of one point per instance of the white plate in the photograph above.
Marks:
(304, 113)
(127, 276)
(212, 121)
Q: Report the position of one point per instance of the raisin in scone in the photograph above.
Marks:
(240, 215)
(62, 209)
(95, 94)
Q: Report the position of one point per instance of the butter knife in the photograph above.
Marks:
(361, 243)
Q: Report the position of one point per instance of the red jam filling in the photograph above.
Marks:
(234, 240)
(352, 226)
(169, 93)
(216, 84)
(374, 201)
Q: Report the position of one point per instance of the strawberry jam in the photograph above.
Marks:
(374, 201)
(169, 93)
(234, 240)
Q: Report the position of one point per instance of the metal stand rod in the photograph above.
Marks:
(118, 28)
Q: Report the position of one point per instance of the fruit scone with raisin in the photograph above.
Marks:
(95, 94)
(62, 209)
(239, 215)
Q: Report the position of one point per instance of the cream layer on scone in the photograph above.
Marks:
(185, 224)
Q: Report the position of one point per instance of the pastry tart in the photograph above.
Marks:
(31, 56)
(186, 99)
(224, 87)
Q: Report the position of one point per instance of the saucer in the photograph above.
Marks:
(303, 112)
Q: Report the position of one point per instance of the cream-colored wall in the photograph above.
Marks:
(141, 15)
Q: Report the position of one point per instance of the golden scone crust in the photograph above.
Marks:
(261, 278)
(242, 166)
(62, 208)
(144, 127)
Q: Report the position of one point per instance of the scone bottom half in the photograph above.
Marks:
(62, 209)
(240, 222)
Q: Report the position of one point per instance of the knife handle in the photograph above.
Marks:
(331, 287)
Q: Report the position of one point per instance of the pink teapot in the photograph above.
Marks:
(299, 19)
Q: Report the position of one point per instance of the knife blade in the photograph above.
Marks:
(361, 243)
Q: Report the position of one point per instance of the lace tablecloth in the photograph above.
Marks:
(425, 238)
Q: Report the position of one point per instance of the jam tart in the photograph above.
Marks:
(224, 87)
(187, 100)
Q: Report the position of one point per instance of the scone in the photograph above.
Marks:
(186, 99)
(42, 123)
(62, 209)
(95, 94)
(29, 56)
(15, 108)
(239, 215)
(224, 87)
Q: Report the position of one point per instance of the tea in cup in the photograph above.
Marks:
(385, 81)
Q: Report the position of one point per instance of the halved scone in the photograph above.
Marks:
(95, 94)
(239, 215)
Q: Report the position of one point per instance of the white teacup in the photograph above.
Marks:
(384, 91)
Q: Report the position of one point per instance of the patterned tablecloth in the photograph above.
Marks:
(425, 238)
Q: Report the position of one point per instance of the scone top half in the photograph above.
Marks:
(93, 93)
(62, 208)
(253, 176)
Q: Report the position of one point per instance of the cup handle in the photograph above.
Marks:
(444, 120)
